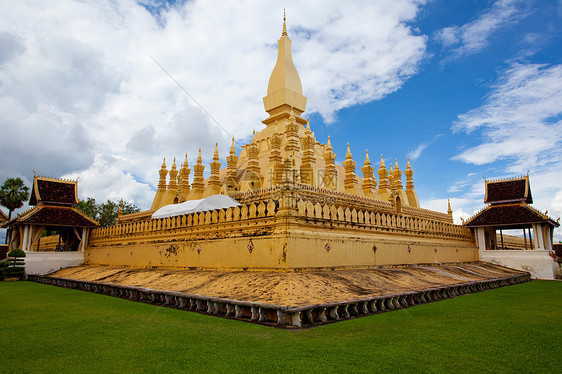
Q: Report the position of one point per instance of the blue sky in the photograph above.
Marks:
(467, 89)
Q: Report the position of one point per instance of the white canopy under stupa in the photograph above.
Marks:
(192, 206)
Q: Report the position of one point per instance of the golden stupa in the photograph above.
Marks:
(298, 208)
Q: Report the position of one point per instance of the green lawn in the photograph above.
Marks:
(46, 329)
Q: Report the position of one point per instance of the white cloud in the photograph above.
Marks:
(520, 124)
(416, 153)
(472, 37)
(520, 119)
(79, 88)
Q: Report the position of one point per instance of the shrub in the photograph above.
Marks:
(16, 253)
(14, 264)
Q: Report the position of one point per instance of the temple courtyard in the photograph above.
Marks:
(53, 329)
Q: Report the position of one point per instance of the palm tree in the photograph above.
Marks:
(12, 194)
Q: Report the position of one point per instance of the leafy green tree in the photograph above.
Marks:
(88, 207)
(105, 213)
(13, 193)
(129, 208)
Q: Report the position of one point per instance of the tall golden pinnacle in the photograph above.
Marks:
(350, 177)
(163, 173)
(391, 183)
(198, 185)
(214, 184)
(369, 182)
(232, 160)
(330, 174)
(409, 176)
(233, 148)
(410, 191)
(231, 181)
(184, 183)
(285, 88)
(383, 179)
(397, 176)
(173, 185)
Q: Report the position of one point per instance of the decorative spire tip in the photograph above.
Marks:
(284, 33)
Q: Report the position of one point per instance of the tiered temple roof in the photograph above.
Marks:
(511, 190)
(53, 200)
(509, 199)
(53, 191)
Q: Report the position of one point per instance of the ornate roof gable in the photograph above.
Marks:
(512, 190)
(53, 191)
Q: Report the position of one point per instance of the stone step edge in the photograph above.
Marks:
(279, 315)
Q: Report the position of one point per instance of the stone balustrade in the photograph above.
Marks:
(278, 315)
(312, 213)
(327, 196)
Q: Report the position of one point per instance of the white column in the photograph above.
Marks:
(83, 242)
(25, 236)
(539, 238)
(535, 237)
(547, 238)
(481, 239)
(29, 239)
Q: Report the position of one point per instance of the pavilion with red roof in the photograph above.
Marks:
(508, 209)
(53, 202)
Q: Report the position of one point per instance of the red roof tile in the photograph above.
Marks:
(516, 215)
(53, 191)
(508, 190)
(55, 216)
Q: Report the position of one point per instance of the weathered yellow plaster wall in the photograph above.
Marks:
(262, 236)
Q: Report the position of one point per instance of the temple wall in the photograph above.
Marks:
(537, 262)
(266, 236)
(48, 243)
(513, 242)
(48, 262)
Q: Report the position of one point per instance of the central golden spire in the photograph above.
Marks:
(284, 91)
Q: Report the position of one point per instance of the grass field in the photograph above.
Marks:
(46, 329)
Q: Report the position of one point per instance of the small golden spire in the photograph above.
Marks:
(216, 155)
(174, 164)
(284, 33)
(254, 136)
(408, 164)
(199, 159)
(395, 164)
(233, 147)
(329, 144)
(164, 163)
(367, 161)
(348, 154)
(185, 163)
(449, 210)
(382, 163)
